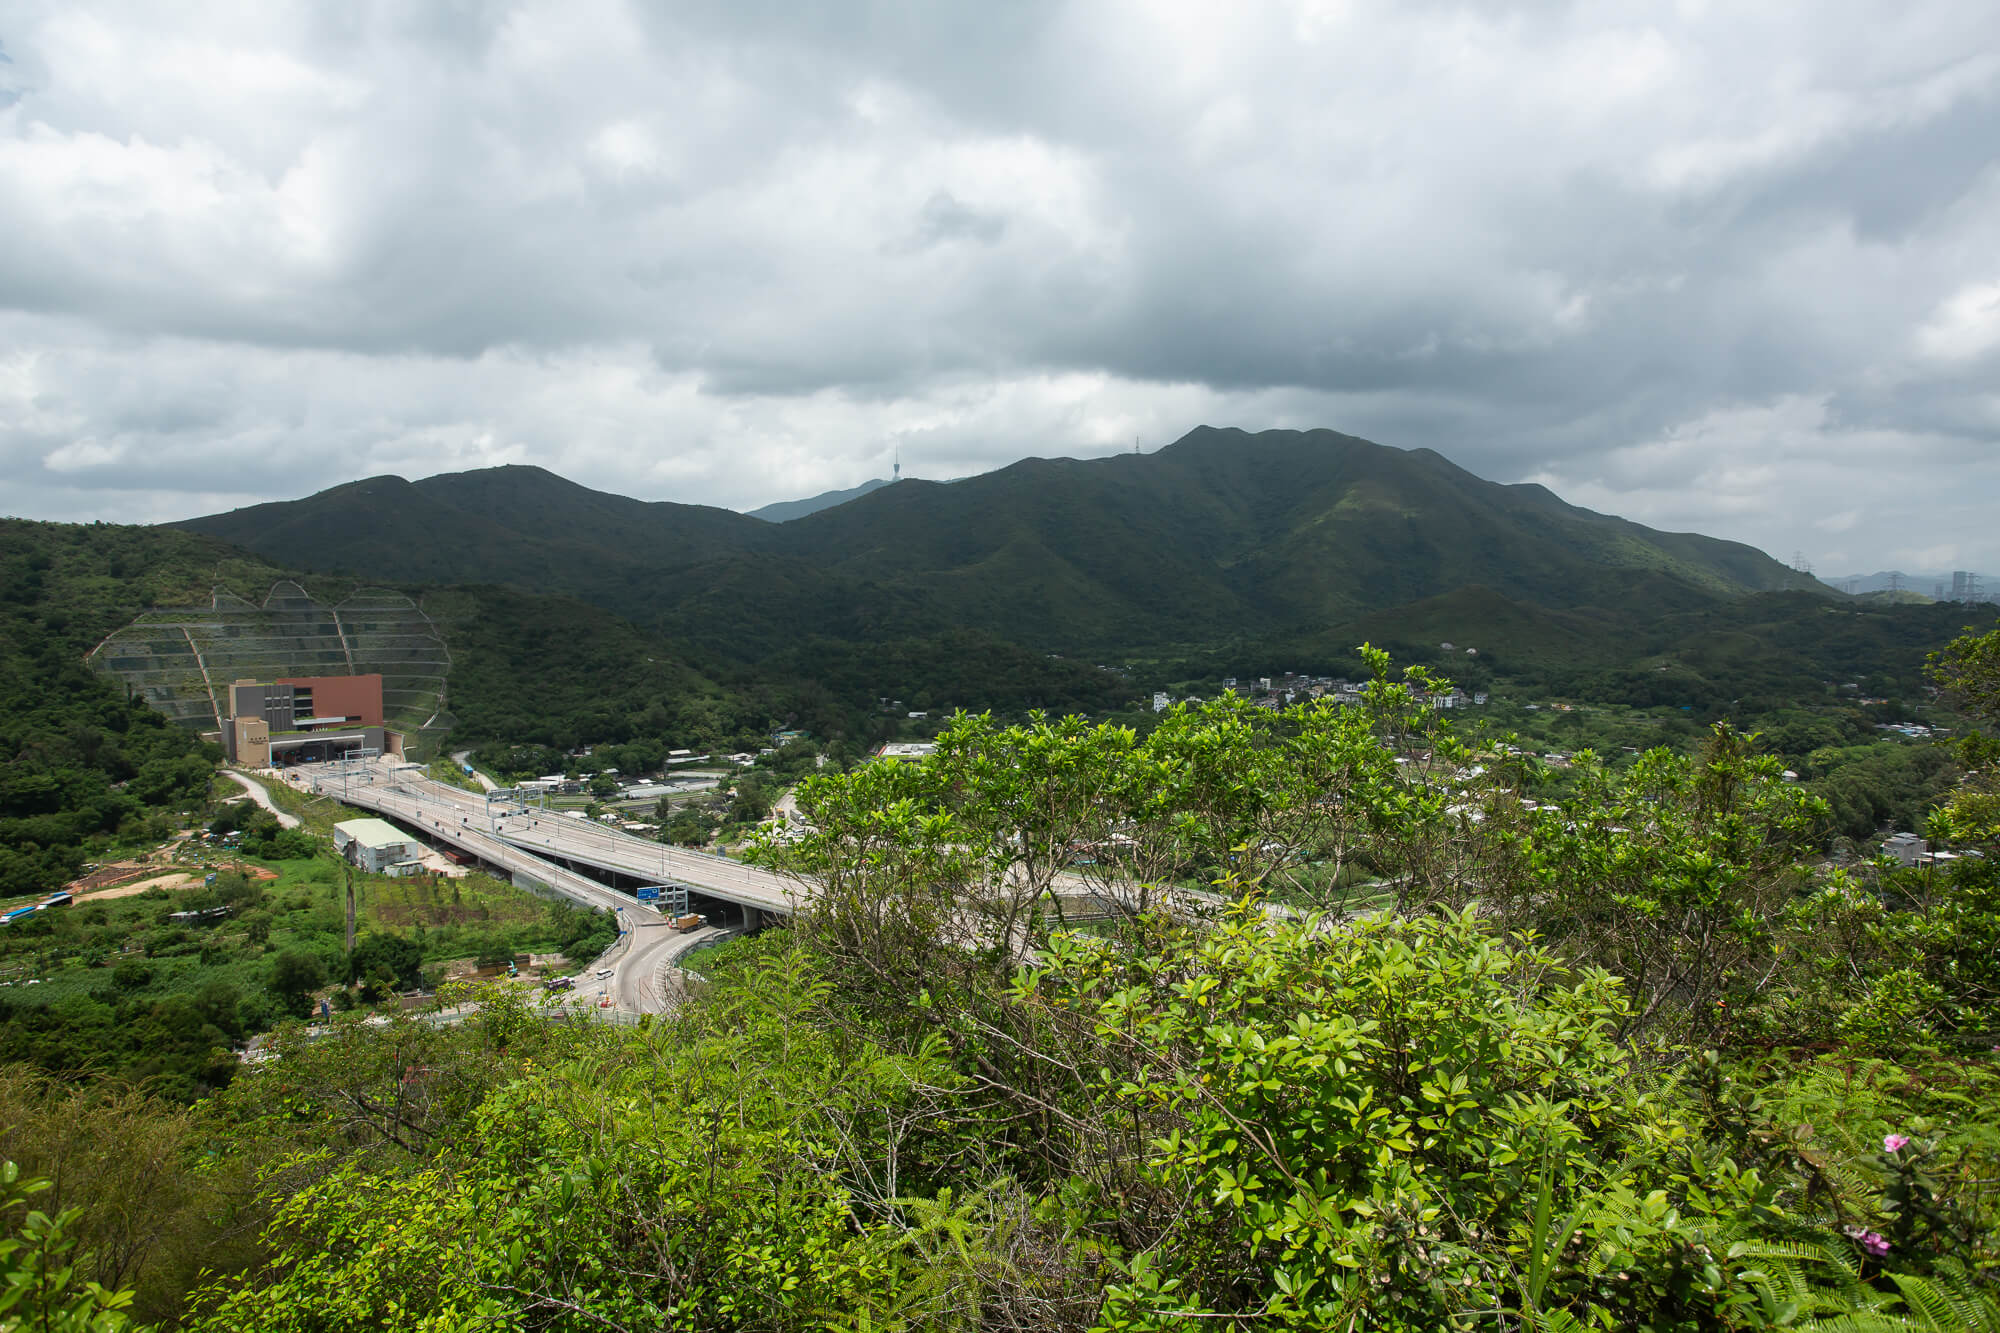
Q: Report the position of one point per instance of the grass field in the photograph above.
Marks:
(474, 899)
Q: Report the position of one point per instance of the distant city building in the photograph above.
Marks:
(907, 752)
(1160, 701)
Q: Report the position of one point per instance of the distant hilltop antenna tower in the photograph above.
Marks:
(896, 468)
(1895, 583)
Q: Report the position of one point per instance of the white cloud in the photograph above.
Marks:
(83, 453)
(1966, 326)
(1722, 267)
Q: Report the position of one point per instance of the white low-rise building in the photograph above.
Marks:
(1906, 847)
(375, 844)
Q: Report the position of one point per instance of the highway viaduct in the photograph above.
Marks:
(575, 858)
(556, 850)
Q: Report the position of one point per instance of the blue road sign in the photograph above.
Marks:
(650, 893)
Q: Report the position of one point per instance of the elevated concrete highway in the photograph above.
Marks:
(601, 867)
(375, 792)
(555, 853)
(555, 850)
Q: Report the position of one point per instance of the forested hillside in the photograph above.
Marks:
(87, 768)
(1219, 534)
(549, 671)
(916, 1131)
(84, 767)
(1315, 1018)
(1759, 651)
(784, 511)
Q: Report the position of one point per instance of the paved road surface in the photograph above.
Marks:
(262, 796)
(441, 805)
(642, 982)
(581, 840)
(453, 815)
(485, 783)
(528, 842)
(427, 816)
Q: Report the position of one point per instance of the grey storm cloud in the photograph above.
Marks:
(1711, 266)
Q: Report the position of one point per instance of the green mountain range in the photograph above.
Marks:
(1222, 534)
(787, 510)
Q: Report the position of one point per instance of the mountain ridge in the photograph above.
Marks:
(1222, 532)
(784, 511)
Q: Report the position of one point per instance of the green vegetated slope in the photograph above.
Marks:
(561, 673)
(1223, 532)
(558, 672)
(119, 641)
(953, 669)
(1618, 1053)
(1660, 623)
(86, 766)
(747, 607)
(521, 525)
(786, 510)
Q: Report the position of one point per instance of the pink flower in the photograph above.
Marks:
(1872, 1241)
(1894, 1143)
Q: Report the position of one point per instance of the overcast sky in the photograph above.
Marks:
(1725, 267)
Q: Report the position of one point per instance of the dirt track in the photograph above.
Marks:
(179, 879)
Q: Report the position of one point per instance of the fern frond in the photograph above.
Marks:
(1948, 1302)
(1868, 1321)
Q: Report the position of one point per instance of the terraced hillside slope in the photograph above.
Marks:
(182, 659)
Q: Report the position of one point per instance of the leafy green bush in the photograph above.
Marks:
(39, 1283)
(1408, 1124)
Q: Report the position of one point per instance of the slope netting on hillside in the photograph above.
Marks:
(181, 660)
